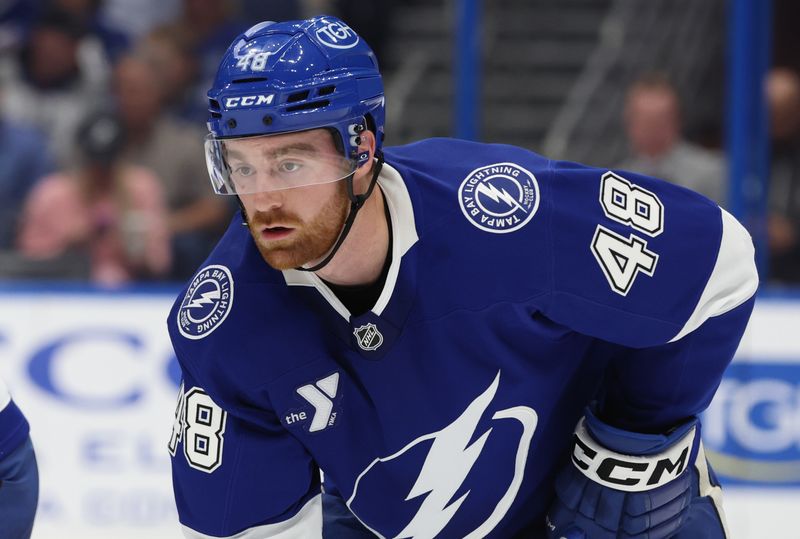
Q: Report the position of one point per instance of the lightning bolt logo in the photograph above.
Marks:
(206, 298)
(497, 195)
(448, 464)
(495, 183)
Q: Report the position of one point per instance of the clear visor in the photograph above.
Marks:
(274, 162)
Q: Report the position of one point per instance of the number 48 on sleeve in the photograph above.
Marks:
(200, 425)
(621, 258)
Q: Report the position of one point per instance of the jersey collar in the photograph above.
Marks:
(404, 231)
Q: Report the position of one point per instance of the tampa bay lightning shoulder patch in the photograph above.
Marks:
(207, 302)
(499, 198)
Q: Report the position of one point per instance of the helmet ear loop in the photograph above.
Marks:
(359, 200)
(355, 130)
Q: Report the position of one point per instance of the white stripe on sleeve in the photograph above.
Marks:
(734, 278)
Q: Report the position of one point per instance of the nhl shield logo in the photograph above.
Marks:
(368, 337)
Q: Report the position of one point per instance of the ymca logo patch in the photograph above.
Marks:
(320, 395)
(499, 198)
(207, 302)
(368, 337)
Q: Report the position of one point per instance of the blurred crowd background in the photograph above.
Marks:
(103, 109)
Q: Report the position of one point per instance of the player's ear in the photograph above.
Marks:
(366, 149)
(366, 146)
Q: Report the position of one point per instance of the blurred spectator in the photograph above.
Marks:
(55, 79)
(135, 18)
(783, 97)
(16, 17)
(110, 212)
(24, 158)
(207, 27)
(88, 12)
(653, 124)
(174, 151)
(172, 59)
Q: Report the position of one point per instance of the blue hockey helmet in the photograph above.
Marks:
(295, 76)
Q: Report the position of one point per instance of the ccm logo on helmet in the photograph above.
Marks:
(248, 101)
(627, 472)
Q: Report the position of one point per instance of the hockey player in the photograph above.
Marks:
(19, 475)
(426, 325)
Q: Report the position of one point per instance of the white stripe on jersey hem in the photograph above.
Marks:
(733, 280)
(404, 235)
(306, 524)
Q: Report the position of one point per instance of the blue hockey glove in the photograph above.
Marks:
(621, 484)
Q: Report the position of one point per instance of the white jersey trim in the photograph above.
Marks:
(306, 524)
(734, 278)
(404, 236)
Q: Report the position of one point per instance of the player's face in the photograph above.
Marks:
(292, 227)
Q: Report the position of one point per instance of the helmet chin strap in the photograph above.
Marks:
(356, 203)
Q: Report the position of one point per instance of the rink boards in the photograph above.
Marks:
(95, 374)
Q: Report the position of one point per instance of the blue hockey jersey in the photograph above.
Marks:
(520, 289)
